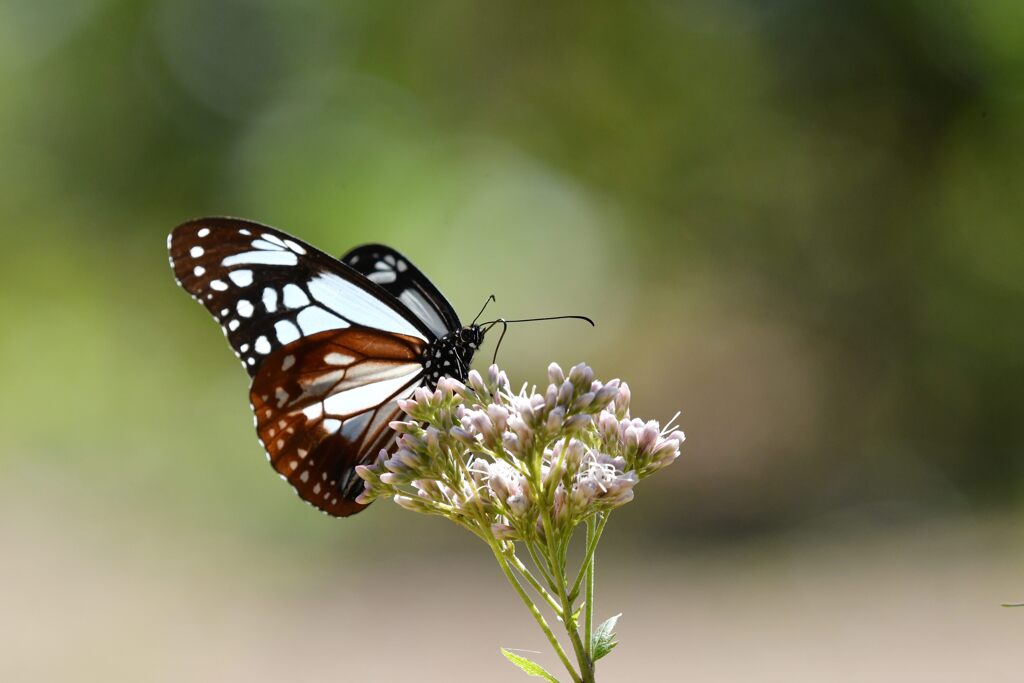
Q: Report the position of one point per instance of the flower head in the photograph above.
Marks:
(511, 465)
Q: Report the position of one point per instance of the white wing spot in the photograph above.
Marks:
(424, 311)
(294, 297)
(383, 277)
(270, 299)
(282, 397)
(198, 271)
(316, 489)
(196, 252)
(304, 476)
(218, 285)
(262, 345)
(315, 319)
(243, 348)
(302, 452)
(288, 361)
(335, 358)
(264, 245)
(322, 383)
(331, 425)
(244, 308)
(358, 305)
(233, 325)
(313, 412)
(286, 331)
(245, 232)
(280, 444)
(274, 239)
(203, 232)
(294, 464)
(365, 397)
(267, 258)
(297, 248)
(242, 278)
(250, 361)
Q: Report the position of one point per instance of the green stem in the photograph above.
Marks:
(540, 565)
(556, 553)
(588, 604)
(500, 556)
(528, 575)
(589, 554)
(571, 628)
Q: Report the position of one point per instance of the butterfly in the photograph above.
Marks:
(331, 345)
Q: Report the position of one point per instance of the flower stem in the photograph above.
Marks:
(557, 553)
(500, 556)
(588, 600)
(525, 572)
(589, 554)
(541, 566)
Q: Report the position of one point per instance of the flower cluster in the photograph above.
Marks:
(519, 466)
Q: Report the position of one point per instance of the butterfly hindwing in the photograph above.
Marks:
(400, 278)
(323, 405)
(268, 289)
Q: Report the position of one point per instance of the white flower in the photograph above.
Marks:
(479, 453)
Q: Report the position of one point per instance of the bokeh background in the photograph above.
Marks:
(798, 222)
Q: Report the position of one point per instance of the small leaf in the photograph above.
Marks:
(603, 640)
(529, 666)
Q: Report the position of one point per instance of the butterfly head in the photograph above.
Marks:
(471, 336)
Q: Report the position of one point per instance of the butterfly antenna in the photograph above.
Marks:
(489, 300)
(504, 326)
(530, 320)
(504, 329)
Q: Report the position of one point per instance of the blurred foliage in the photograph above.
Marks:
(798, 222)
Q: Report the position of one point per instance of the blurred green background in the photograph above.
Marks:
(800, 223)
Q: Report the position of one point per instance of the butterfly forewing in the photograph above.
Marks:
(400, 278)
(268, 289)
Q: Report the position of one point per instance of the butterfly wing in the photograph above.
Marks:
(329, 350)
(400, 278)
(268, 289)
(323, 405)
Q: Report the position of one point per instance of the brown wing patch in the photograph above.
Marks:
(323, 404)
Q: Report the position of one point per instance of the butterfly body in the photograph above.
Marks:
(331, 345)
(451, 355)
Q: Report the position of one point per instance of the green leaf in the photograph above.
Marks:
(603, 640)
(529, 666)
